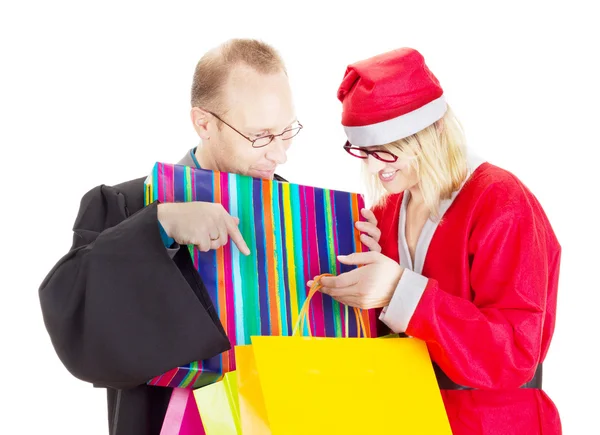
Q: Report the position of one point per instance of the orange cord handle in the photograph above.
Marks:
(303, 314)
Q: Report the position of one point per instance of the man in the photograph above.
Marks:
(125, 304)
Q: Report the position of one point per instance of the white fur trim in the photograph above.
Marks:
(404, 301)
(397, 128)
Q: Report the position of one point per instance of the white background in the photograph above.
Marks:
(96, 92)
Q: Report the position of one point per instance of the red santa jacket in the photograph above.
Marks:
(482, 294)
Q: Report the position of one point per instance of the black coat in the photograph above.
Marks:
(121, 309)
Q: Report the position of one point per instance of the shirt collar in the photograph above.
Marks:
(190, 159)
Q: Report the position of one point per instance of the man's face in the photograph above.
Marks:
(257, 105)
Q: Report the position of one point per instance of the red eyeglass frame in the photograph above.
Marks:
(377, 154)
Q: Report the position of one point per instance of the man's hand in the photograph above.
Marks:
(204, 224)
(368, 286)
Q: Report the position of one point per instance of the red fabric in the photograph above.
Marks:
(488, 311)
(386, 86)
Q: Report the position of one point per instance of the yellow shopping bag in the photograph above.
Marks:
(253, 415)
(219, 407)
(307, 385)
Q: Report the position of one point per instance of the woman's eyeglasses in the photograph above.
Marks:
(362, 153)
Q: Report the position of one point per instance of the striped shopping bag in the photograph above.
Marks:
(294, 233)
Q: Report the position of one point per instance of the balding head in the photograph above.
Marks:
(216, 66)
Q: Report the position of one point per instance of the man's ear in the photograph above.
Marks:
(200, 119)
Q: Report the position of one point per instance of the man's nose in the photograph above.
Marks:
(277, 151)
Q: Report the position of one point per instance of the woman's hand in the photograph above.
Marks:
(370, 233)
(368, 286)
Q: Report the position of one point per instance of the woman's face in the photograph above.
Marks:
(396, 177)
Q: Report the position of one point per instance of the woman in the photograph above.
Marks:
(468, 261)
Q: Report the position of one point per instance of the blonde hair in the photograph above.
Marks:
(213, 69)
(437, 154)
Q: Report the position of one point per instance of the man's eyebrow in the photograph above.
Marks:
(261, 129)
(294, 120)
(290, 124)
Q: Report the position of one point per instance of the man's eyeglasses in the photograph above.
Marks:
(263, 141)
(361, 153)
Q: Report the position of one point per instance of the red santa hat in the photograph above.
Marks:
(389, 97)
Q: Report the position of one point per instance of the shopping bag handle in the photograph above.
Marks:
(304, 311)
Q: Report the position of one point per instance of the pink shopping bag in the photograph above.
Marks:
(182, 417)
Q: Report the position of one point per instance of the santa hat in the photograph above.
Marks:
(389, 97)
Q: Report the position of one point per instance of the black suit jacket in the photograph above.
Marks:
(120, 310)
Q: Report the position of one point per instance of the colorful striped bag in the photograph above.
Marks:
(294, 233)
